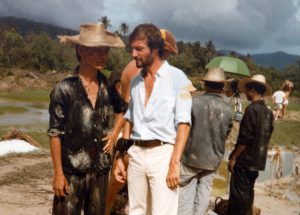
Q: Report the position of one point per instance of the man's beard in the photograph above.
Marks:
(143, 63)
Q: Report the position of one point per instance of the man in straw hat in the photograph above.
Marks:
(211, 124)
(250, 153)
(159, 116)
(129, 72)
(81, 111)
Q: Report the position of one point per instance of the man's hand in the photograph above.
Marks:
(110, 139)
(231, 164)
(120, 171)
(60, 185)
(173, 177)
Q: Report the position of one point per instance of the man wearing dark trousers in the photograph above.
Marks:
(250, 153)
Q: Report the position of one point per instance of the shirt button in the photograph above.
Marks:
(95, 125)
(95, 140)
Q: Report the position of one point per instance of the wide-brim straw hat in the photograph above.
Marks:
(259, 79)
(214, 75)
(170, 41)
(93, 35)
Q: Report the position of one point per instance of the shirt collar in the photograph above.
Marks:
(100, 76)
(160, 72)
(214, 94)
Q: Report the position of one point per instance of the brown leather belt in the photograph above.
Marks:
(148, 143)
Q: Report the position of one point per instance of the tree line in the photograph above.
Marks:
(41, 53)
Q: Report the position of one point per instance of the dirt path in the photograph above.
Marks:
(25, 187)
(25, 184)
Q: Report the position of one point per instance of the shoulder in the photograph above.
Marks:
(176, 72)
(179, 78)
(130, 71)
(64, 87)
(65, 84)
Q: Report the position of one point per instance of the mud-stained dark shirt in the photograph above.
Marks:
(255, 132)
(211, 123)
(82, 127)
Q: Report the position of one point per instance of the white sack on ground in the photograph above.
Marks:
(15, 146)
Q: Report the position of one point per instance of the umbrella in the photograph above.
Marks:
(230, 65)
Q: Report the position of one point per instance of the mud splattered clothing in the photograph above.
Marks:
(87, 191)
(211, 122)
(81, 128)
(255, 132)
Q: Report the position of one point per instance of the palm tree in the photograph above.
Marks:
(105, 21)
(124, 28)
(210, 51)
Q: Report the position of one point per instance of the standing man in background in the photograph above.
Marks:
(211, 124)
(250, 153)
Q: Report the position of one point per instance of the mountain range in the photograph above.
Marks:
(25, 26)
(278, 60)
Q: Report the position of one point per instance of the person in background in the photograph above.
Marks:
(82, 109)
(211, 124)
(278, 99)
(287, 89)
(250, 152)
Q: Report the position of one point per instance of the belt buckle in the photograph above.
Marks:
(137, 143)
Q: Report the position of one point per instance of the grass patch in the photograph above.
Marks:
(28, 175)
(40, 105)
(30, 95)
(36, 131)
(285, 133)
(12, 109)
(40, 137)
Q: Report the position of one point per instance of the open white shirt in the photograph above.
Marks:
(170, 103)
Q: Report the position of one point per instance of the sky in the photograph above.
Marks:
(246, 26)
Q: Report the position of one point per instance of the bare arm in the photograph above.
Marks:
(112, 137)
(60, 183)
(120, 170)
(236, 152)
(174, 165)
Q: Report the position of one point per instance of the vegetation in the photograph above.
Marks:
(285, 133)
(41, 53)
(12, 109)
(29, 95)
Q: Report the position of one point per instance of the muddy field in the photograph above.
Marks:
(26, 179)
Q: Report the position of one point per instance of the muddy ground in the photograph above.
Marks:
(26, 179)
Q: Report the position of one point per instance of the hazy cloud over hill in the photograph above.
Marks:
(242, 25)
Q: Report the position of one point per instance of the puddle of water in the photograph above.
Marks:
(220, 186)
(37, 113)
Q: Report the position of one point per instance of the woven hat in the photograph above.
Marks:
(93, 35)
(170, 42)
(259, 79)
(214, 75)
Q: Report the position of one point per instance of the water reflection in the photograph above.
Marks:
(36, 113)
(274, 168)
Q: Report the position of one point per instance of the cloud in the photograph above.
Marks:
(65, 13)
(252, 25)
(236, 24)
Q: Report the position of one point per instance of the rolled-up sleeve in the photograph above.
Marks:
(129, 113)
(57, 111)
(183, 104)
